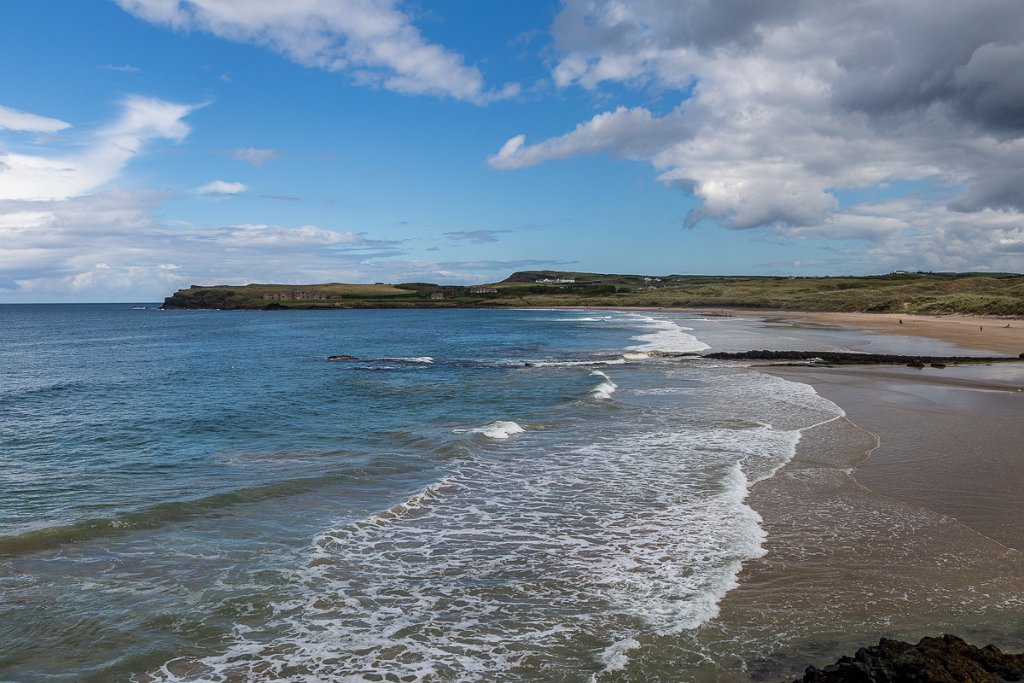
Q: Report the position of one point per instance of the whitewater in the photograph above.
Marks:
(512, 495)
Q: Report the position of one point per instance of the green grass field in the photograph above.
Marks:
(930, 293)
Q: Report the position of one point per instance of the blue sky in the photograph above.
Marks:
(146, 145)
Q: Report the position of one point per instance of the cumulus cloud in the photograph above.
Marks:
(784, 105)
(372, 40)
(254, 156)
(629, 133)
(104, 155)
(15, 119)
(221, 188)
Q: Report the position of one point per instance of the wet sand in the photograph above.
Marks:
(998, 335)
(954, 447)
(901, 520)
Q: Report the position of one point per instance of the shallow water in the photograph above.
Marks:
(478, 495)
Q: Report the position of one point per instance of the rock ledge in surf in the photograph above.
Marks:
(933, 660)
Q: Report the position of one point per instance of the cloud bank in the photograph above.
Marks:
(787, 109)
(66, 231)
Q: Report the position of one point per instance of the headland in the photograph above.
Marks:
(903, 294)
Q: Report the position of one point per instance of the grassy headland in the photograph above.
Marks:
(992, 294)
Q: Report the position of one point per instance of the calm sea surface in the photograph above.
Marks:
(476, 495)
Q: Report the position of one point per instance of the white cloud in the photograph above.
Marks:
(109, 246)
(373, 40)
(15, 119)
(629, 133)
(784, 105)
(254, 156)
(121, 68)
(266, 235)
(221, 188)
(24, 176)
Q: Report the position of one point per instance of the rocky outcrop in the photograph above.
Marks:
(850, 358)
(933, 660)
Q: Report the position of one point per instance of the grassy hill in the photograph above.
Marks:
(930, 293)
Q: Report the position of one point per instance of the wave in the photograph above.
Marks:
(597, 534)
(605, 389)
(157, 515)
(666, 337)
(501, 429)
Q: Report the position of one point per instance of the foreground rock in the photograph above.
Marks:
(933, 660)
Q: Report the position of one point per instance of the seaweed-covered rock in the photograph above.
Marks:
(933, 660)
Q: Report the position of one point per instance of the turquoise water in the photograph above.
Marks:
(477, 495)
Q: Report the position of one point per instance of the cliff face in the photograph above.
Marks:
(206, 298)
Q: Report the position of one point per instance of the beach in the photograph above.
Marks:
(901, 519)
(997, 335)
(506, 495)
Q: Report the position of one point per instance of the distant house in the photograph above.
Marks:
(483, 290)
(437, 296)
(556, 281)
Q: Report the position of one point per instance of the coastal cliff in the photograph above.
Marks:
(989, 294)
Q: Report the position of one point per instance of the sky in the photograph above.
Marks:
(148, 145)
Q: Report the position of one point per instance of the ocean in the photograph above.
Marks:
(466, 495)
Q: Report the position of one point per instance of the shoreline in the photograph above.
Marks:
(999, 334)
(899, 519)
(850, 558)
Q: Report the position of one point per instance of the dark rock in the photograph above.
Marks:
(850, 358)
(933, 660)
(342, 357)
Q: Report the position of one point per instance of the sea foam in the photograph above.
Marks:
(666, 337)
(500, 429)
(605, 389)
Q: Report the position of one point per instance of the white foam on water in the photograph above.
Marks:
(615, 656)
(604, 390)
(500, 429)
(409, 359)
(588, 319)
(622, 525)
(666, 337)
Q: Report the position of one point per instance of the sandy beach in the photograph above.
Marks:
(999, 335)
(901, 519)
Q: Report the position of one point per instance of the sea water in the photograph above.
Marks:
(473, 495)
